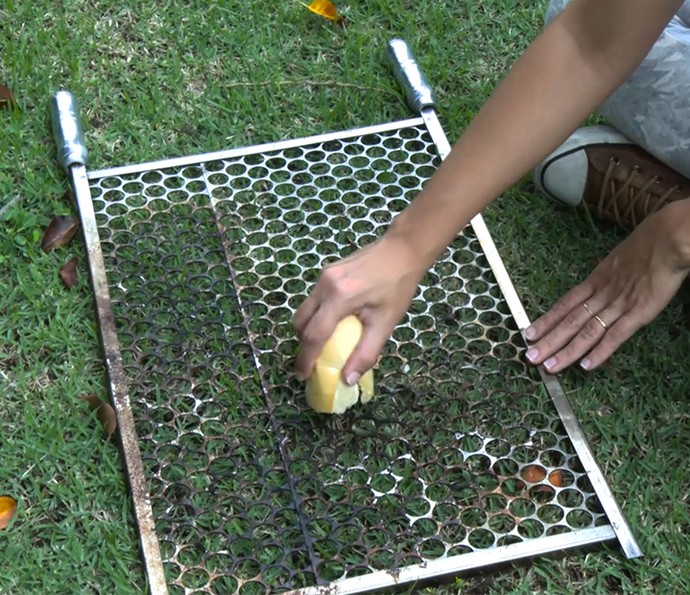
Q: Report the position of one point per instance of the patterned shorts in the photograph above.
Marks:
(652, 108)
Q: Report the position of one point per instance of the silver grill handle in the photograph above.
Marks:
(67, 130)
(406, 71)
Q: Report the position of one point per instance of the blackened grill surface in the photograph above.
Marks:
(251, 491)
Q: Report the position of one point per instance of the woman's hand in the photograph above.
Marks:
(376, 283)
(626, 291)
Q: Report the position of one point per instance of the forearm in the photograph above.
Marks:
(562, 77)
(676, 219)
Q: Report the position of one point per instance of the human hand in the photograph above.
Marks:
(626, 291)
(375, 283)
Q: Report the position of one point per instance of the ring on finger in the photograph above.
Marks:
(600, 320)
(586, 307)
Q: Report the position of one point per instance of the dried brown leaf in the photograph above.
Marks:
(68, 273)
(7, 100)
(59, 232)
(105, 413)
(556, 478)
(8, 506)
(533, 473)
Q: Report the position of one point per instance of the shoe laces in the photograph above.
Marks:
(638, 201)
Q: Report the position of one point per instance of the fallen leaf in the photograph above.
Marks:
(325, 9)
(68, 273)
(533, 473)
(556, 478)
(7, 100)
(105, 413)
(8, 506)
(59, 232)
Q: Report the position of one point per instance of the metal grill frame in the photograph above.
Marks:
(119, 389)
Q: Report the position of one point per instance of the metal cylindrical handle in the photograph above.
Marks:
(67, 129)
(406, 71)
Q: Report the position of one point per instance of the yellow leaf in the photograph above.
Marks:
(325, 9)
(8, 506)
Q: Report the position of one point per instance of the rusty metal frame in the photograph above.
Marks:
(118, 387)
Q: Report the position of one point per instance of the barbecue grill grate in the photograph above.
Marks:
(461, 461)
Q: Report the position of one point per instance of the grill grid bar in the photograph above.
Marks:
(472, 561)
(119, 388)
(265, 389)
(572, 426)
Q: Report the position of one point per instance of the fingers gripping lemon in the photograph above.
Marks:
(326, 392)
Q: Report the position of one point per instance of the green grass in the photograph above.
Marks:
(159, 79)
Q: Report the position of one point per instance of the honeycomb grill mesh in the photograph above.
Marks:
(251, 491)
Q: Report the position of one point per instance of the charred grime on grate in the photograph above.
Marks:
(463, 450)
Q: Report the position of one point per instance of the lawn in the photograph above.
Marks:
(165, 79)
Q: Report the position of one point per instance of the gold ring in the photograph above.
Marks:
(586, 307)
(600, 321)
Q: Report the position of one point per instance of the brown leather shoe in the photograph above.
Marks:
(617, 180)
